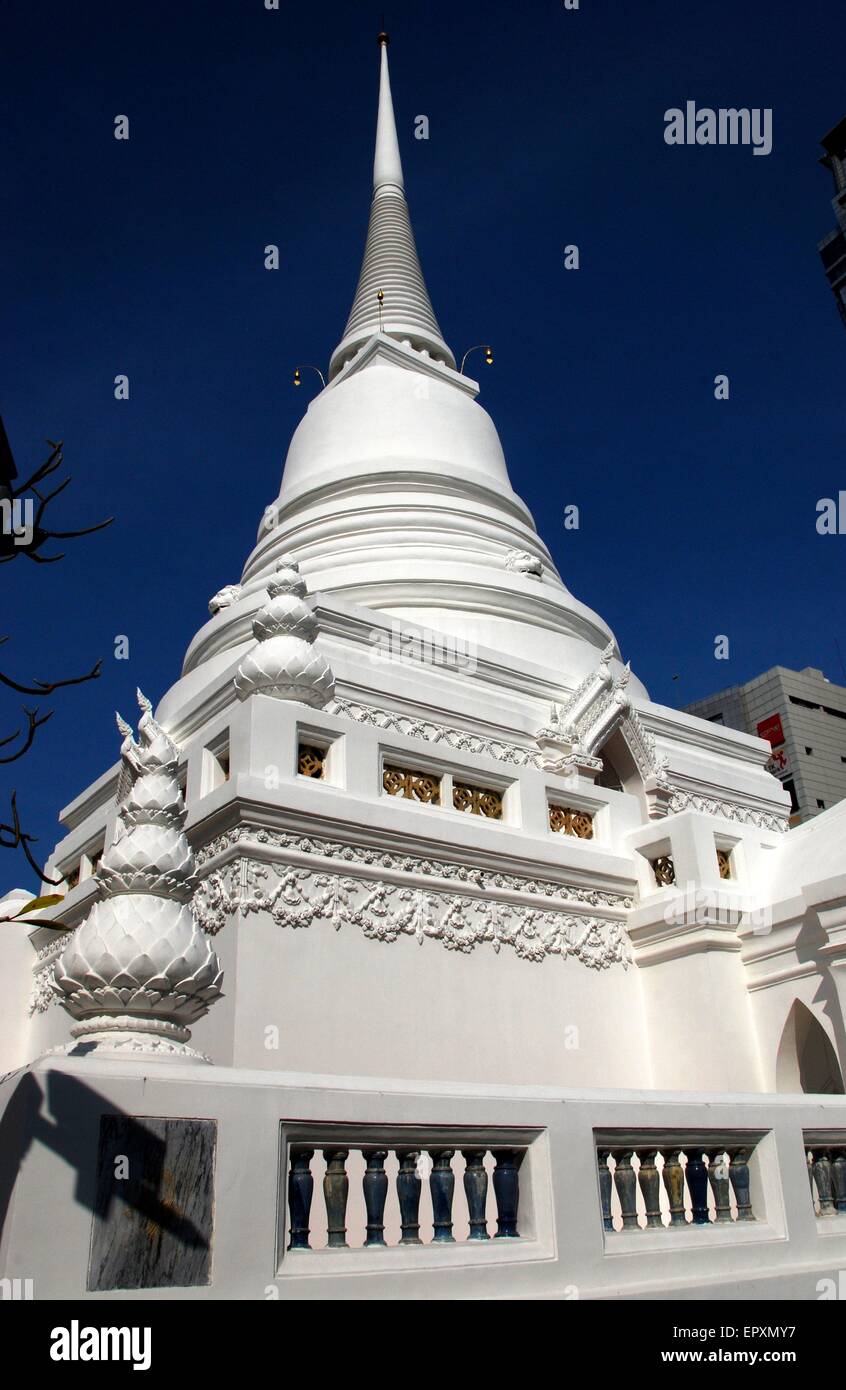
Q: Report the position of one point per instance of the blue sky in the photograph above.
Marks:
(250, 127)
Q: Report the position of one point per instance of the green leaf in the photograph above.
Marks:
(41, 922)
(36, 904)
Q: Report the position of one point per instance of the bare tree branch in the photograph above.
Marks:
(47, 687)
(14, 544)
(24, 532)
(13, 837)
(33, 722)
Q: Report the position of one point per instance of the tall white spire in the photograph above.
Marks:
(390, 261)
(387, 166)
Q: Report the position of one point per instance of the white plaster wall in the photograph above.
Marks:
(415, 1011)
(700, 1023)
(16, 960)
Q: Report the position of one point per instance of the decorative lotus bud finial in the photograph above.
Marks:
(139, 970)
(285, 662)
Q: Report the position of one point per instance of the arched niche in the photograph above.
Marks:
(620, 771)
(806, 1059)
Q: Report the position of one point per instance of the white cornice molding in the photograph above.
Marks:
(677, 726)
(494, 850)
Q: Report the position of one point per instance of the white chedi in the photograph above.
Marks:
(284, 661)
(139, 970)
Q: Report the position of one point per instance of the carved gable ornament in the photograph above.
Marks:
(579, 728)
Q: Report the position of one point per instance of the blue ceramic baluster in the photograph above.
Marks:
(300, 1189)
(476, 1191)
(718, 1177)
(822, 1173)
(838, 1179)
(442, 1186)
(650, 1186)
(506, 1186)
(697, 1183)
(673, 1179)
(739, 1179)
(375, 1193)
(408, 1192)
(625, 1182)
(336, 1186)
(605, 1184)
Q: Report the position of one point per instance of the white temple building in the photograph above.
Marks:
(416, 951)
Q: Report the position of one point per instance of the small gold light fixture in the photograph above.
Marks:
(307, 367)
(479, 347)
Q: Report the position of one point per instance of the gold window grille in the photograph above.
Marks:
(477, 801)
(311, 761)
(724, 863)
(412, 784)
(72, 877)
(564, 820)
(664, 870)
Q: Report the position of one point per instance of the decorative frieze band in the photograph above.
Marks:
(730, 810)
(297, 898)
(459, 739)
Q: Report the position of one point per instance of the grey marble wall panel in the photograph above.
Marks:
(154, 1209)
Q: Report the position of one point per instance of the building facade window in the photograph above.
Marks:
(412, 784)
(564, 820)
(311, 761)
(477, 801)
(664, 871)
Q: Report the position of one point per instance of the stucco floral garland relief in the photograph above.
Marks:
(296, 897)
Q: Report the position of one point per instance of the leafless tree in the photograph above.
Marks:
(24, 531)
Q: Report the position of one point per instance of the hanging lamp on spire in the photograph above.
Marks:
(391, 264)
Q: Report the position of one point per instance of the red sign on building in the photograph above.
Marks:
(770, 729)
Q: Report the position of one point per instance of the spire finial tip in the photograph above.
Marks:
(383, 39)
